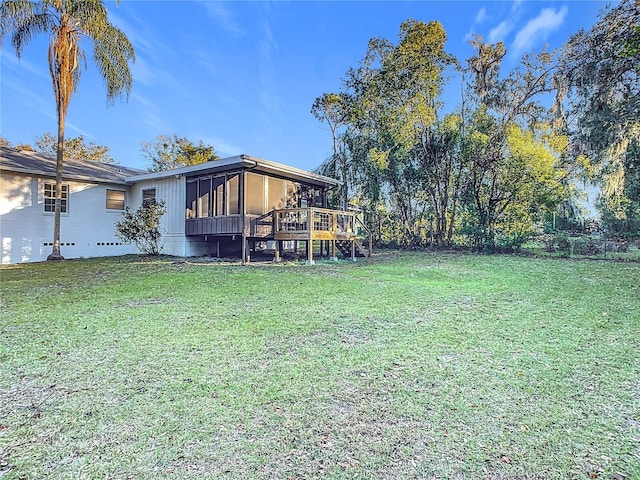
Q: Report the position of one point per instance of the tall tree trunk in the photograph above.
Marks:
(456, 194)
(345, 185)
(55, 252)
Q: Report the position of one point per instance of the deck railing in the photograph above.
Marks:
(308, 220)
(344, 228)
(320, 224)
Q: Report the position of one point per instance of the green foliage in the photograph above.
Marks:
(514, 173)
(76, 148)
(599, 69)
(586, 246)
(632, 46)
(389, 108)
(331, 108)
(620, 210)
(142, 226)
(169, 152)
(556, 242)
(491, 173)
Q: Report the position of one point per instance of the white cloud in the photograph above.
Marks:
(499, 33)
(45, 107)
(73, 127)
(224, 149)
(142, 71)
(224, 18)
(149, 115)
(20, 63)
(539, 28)
(481, 15)
(516, 5)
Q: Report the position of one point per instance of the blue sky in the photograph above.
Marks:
(243, 75)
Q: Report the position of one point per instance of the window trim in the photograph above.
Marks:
(124, 200)
(149, 197)
(49, 198)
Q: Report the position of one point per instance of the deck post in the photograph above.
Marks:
(310, 240)
(333, 250)
(310, 252)
(353, 250)
(244, 249)
(277, 251)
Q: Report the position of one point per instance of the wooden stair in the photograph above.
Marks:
(345, 248)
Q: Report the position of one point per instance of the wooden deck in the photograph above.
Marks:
(342, 230)
(337, 230)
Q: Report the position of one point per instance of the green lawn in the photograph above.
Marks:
(403, 366)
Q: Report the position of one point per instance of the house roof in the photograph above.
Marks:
(34, 163)
(237, 162)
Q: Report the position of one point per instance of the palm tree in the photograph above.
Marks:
(68, 22)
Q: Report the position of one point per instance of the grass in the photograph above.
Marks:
(403, 366)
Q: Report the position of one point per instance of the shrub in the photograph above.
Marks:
(586, 246)
(563, 243)
(616, 246)
(142, 226)
(549, 242)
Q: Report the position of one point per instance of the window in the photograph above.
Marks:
(50, 198)
(148, 194)
(205, 197)
(255, 194)
(276, 194)
(310, 196)
(192, 198)
(115, 200)
(292, 194)
(233, 194)
(218, 195)
(204, 193)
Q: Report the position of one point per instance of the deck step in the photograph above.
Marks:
(345, 248)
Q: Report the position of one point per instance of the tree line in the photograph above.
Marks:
(487, 174)
(166, 152)
(513, 154)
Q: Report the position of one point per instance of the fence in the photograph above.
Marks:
(585, 246)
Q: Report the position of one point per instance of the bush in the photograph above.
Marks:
(142, 226)
(586, 246)
(616, 246)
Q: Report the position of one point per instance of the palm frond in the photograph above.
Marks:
(112, 53)
(23, 19)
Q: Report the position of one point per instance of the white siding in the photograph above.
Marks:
(26, 230)
(172, 191)
(87, 229)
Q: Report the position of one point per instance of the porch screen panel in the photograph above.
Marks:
(310, 196)
(204, 196)
(276, 198)
(293, 194)
(218, 196)
(255, 194)
(233, 194)
(192, 198)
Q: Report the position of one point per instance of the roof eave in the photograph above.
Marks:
(78, 178)
(239, 161)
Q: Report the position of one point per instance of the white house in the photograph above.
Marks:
(94, 194)
(229, 206)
